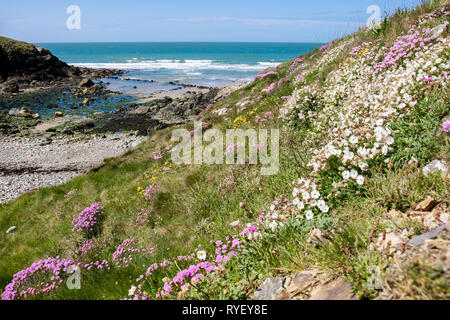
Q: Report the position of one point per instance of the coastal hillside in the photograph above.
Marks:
(359, 208)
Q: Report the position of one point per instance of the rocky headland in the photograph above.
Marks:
(26, 67)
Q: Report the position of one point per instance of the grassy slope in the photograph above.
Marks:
(196, 203)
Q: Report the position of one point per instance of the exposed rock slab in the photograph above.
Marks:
(307, 285)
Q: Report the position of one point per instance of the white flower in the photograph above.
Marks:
(346, 175)
(315, 194)
(324, 209)
(362, 151)
(201, 255)
(272, 207)
(295, 192)
(306, 196)
(309, 215)
(354, 174)
(132, 291)
(360, 180)
(389, 140)
(385, 149)
(363, 165)
(301, 205)
(348, 155)
(275, 216)
(273, 225)
(353, 140)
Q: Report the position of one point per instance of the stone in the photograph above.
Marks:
(391, 241)
(221, 112)
(316, 237)
(25, 113)
(51, 106)
(59, 114)
(301, 282)
(427, 205)
(271, 289)
(85, 83)
(437, 31)
(14, 112)
(36, 116)
(236, 225)
(436, 166)
(306, 285)
(395, 214)
(13, 228)
(11, 86)
(335, 290)
(420, 240)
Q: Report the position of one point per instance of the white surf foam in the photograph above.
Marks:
(186, 65)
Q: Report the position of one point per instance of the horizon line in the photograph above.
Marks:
(263, 42)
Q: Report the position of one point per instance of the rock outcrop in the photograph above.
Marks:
(24, 65)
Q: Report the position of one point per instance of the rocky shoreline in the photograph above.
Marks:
(27, 163)
(40, 152)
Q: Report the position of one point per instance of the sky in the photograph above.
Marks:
(189, 20)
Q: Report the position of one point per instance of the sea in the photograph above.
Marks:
(204, 64)
(157, 68)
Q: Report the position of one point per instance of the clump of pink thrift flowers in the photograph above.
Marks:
(263, 75)
(446, 126)
(25, 285)
(150, 191)
(88, 221)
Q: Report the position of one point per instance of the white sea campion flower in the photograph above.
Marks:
(363, 165)
(273, 225)
(354, 174)
(315, 194)
(353, 140)
(309, 215)
(389, 141)
(201, 255)
(132, 291)
(295, 192)
(272, 207)
(346, 175)
(348, 156)
(275, 215)
(306, 196)
(360, 180)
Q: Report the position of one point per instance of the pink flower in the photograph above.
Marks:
(271, 87)
(446, 126)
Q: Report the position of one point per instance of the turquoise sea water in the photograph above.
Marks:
(209, 64)
(205, 64)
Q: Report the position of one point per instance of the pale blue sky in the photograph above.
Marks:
(189, 20)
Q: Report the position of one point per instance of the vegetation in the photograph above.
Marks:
(357, 127)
